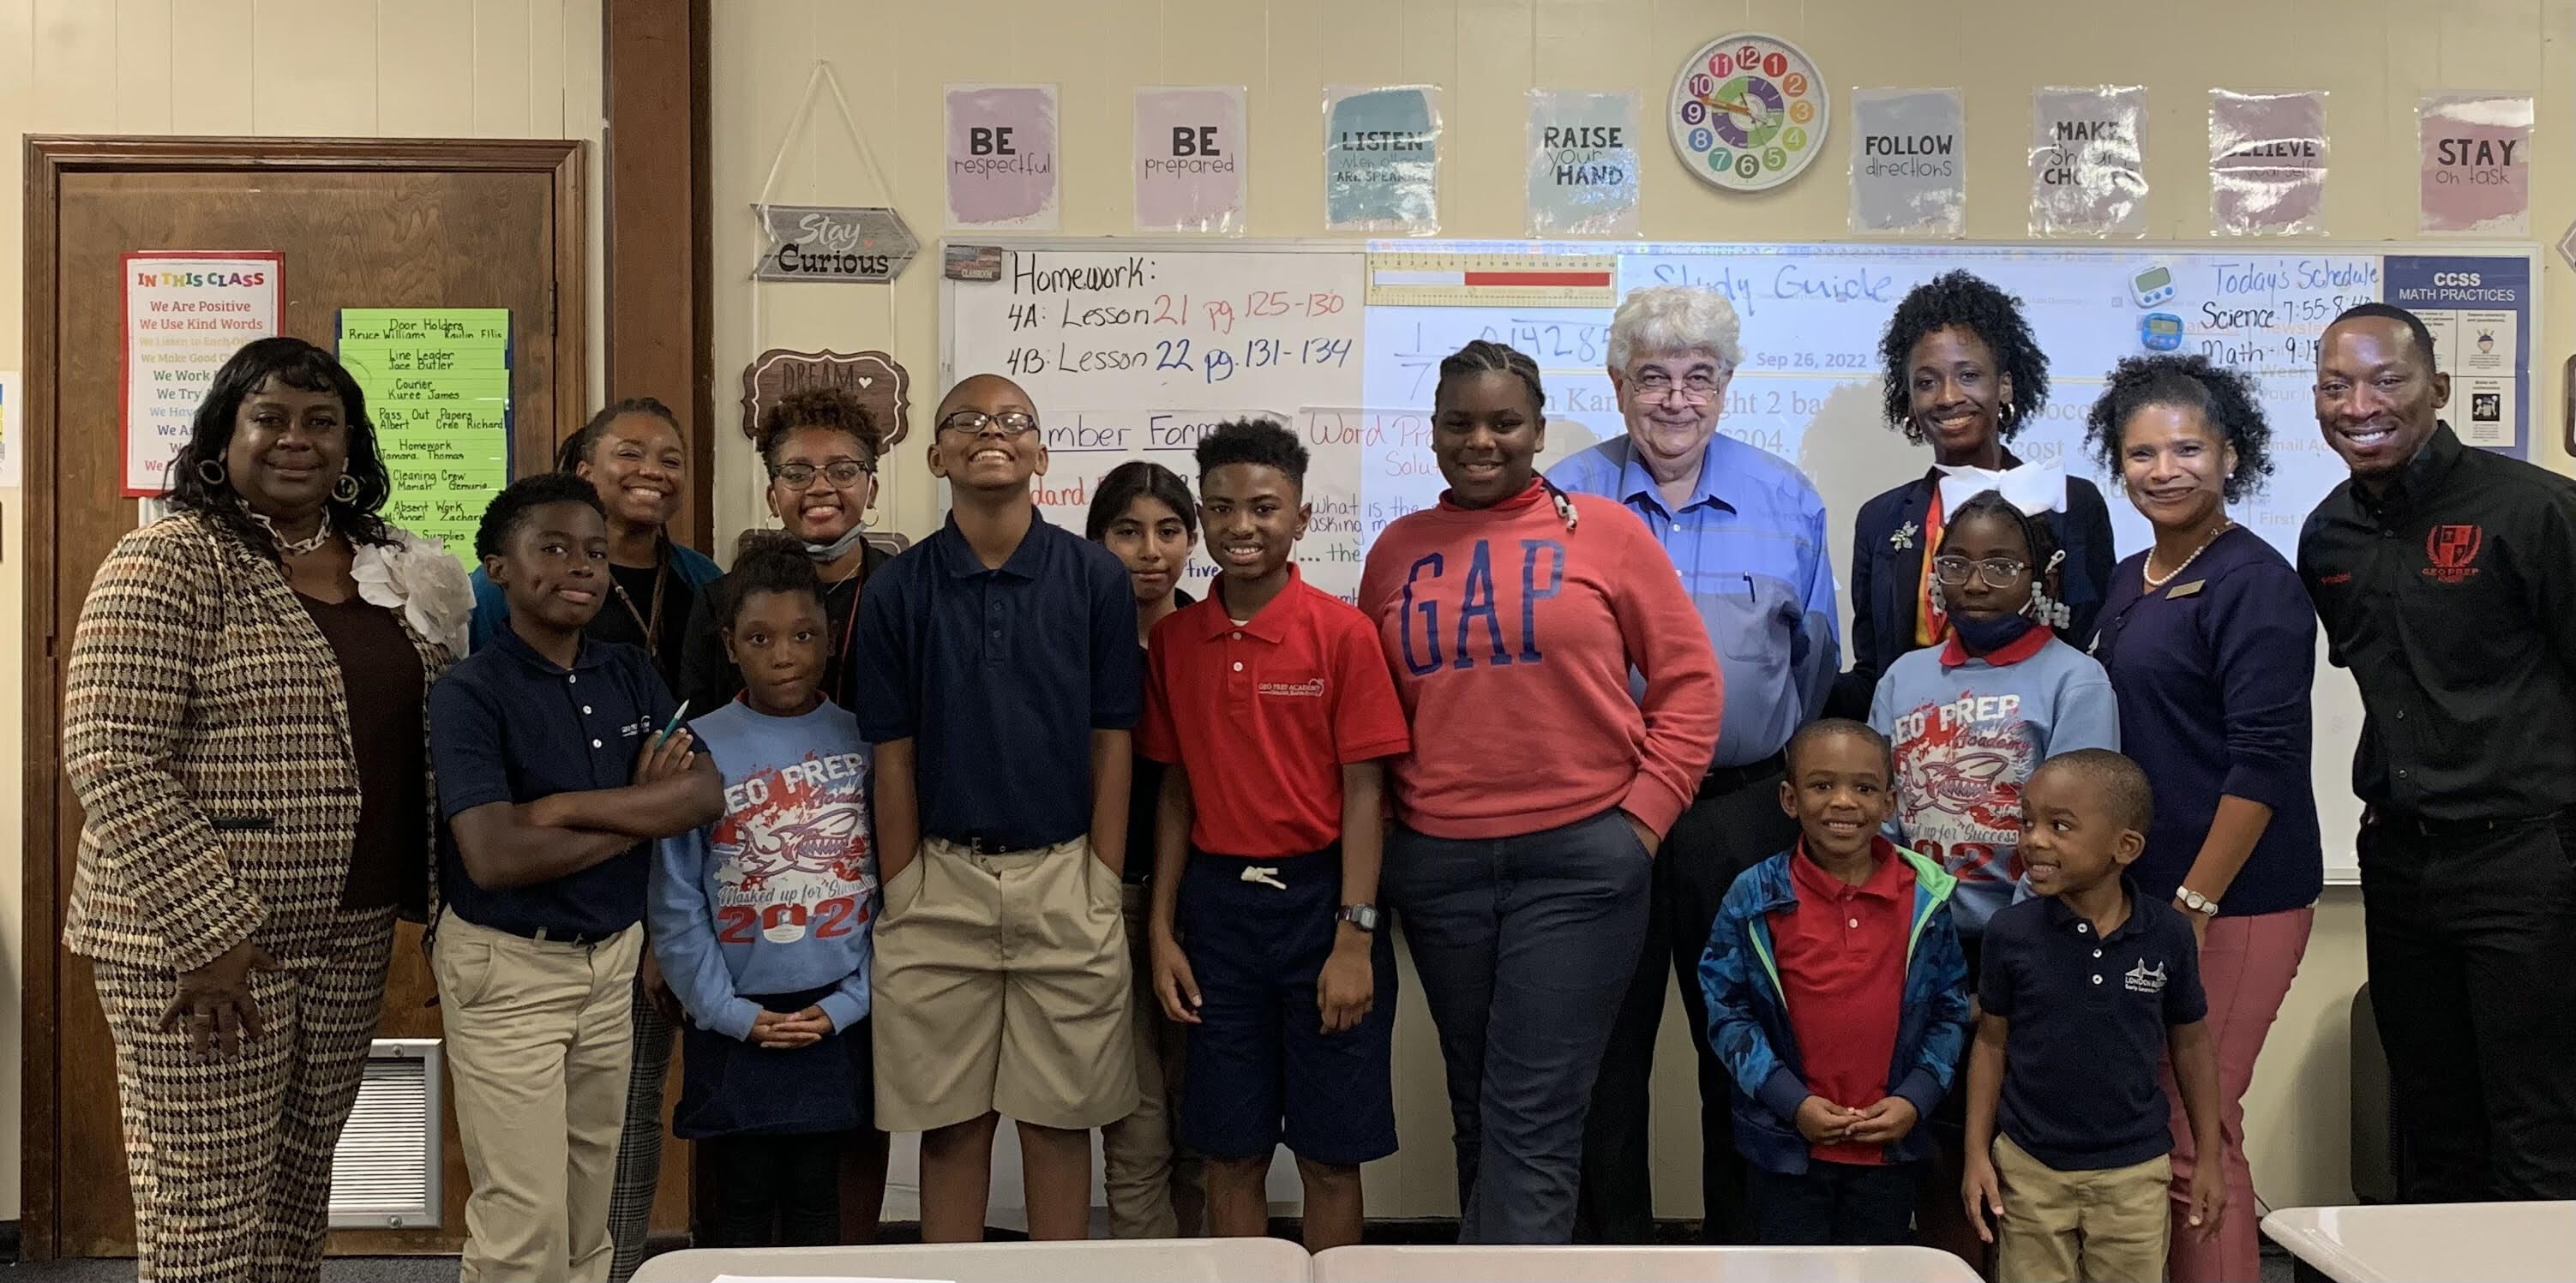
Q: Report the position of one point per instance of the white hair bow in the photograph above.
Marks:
(2033, 488)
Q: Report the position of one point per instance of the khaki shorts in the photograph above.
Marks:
(2105, 1226)
(1001, 986)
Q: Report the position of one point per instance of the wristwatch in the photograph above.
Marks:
(2196, 902)
(1363, 916)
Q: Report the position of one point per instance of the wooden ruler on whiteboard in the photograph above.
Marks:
(1406, 278)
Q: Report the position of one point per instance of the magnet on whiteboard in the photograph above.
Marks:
(2160, 331)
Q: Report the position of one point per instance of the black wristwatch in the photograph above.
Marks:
(1363, 916)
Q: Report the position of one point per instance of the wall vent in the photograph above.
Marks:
(385, 1173)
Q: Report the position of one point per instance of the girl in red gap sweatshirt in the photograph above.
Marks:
(1539, 785)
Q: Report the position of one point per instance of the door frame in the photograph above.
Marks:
(49, 159)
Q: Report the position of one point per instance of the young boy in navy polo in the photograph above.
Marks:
(1838, 1000)
(556, 762)
(1271, 704)
(2085, 988)
(998, 678)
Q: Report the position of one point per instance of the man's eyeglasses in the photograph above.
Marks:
(1997, 571)
(972, 423)
(841, 472)
(1659, 387)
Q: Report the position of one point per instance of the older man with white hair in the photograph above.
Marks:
(1746, 530)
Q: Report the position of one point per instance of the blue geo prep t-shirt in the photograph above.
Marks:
(1968, 731)
(777, 896)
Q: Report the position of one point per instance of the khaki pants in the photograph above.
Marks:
(1147, 1178)
(1001, 987)
(2105, 1226)
(539, 1042)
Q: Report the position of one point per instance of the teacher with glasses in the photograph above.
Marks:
(1746, 531)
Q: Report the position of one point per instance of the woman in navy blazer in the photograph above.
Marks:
(1964, 374)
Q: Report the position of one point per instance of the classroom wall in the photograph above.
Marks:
(399, 68)
(892, 59)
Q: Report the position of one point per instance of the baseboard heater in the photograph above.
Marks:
(385, 1173)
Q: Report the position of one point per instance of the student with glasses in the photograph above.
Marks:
(1971, 719)
(1746, 530)
(820, 448)
(998, 677)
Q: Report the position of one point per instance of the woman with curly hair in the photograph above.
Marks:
(2211, 645)
(1963, 374)
(244, 723)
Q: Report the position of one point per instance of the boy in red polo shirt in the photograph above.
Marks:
(1837, 997)
(1271, 704)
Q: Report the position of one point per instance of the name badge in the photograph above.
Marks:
(2185, 590)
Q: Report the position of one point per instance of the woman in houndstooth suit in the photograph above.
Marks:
(244, 726)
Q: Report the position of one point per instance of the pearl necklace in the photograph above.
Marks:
(2147, 569)
(320, 536)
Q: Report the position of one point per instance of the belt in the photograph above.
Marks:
(2440, 829)
(549, 935)
(987, 844)
(1722, 780)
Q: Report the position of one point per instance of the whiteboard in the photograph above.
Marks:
(1355, 377)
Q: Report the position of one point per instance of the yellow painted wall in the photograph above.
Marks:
(425, 68)
(2374, 56)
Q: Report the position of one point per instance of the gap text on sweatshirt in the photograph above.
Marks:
(1511, 639)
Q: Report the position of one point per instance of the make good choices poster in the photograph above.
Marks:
(186, 313)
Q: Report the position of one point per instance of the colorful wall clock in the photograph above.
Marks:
(1748, 112)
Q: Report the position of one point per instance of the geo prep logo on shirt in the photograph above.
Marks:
(1311, 688)
(2451, 553)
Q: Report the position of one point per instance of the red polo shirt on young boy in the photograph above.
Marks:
(1841, 954)
(1264, 714)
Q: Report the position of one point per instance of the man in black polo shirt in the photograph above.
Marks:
(2446, 577)
(998, 677)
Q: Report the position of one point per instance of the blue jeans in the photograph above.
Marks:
(1524, 945)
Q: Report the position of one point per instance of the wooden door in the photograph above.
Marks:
(393, 223)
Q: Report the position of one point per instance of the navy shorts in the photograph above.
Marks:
(1261, 1068)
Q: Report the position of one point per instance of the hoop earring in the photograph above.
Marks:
(212, 472)
(345, 489)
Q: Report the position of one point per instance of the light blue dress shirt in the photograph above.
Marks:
(1750, 546)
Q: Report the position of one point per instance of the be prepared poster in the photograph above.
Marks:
(1190, 162)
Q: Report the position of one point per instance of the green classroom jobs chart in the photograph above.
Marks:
(437, 381)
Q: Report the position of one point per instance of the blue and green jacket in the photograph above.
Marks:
(1748, 1015)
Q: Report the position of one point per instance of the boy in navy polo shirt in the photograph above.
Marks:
(553, 769)
(2084, 988)
(1271, 704)
(1838, 1000)
(997, 677)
